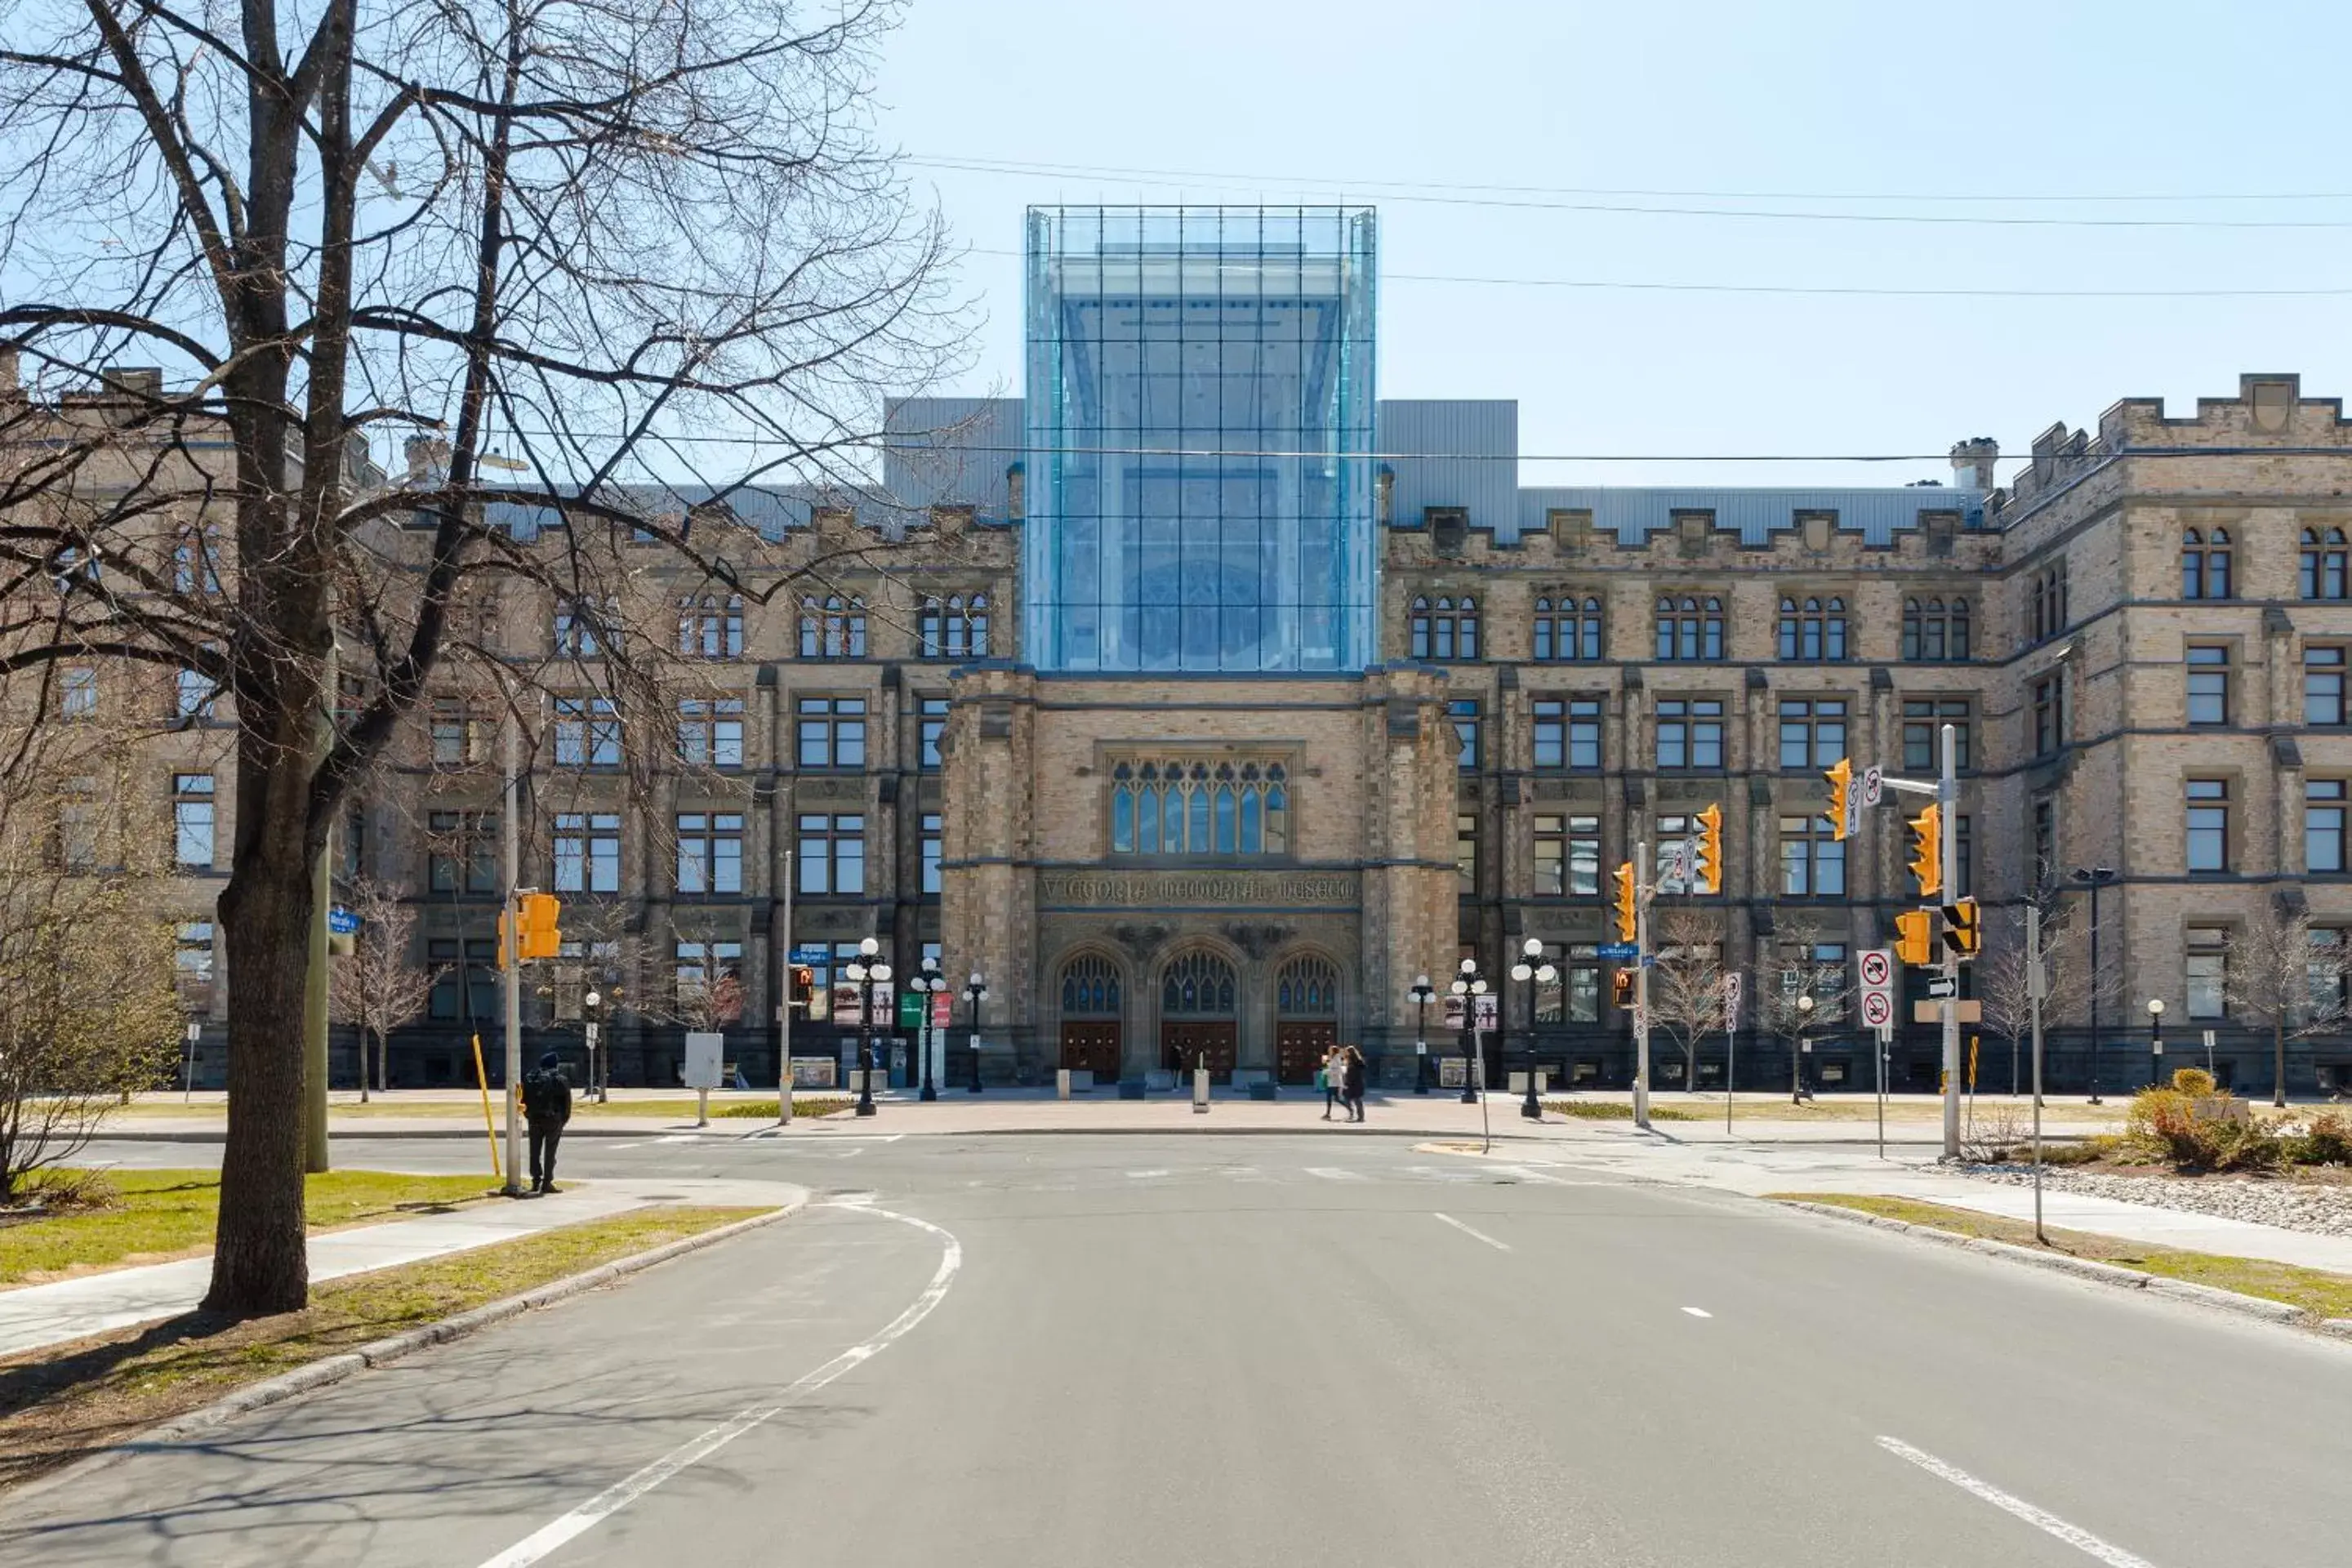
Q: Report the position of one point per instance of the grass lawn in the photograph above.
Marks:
(733, 1107)
(61, 1402)
(2313, 1290)
(670, 1107)
(1616, 1110)
(161, 1215)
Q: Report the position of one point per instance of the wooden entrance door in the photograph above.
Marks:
(1091, 1044)
(1182, 1044)
(1299, 1048)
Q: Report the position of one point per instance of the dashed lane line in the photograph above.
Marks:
(2049, 1523)
(1479, 1234)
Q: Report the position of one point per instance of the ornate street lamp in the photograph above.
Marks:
(866, 972)
(1421, 995)
(2155, 1041)
(927, 982)
(1464, 984)
(975, 991)
(1532, 968)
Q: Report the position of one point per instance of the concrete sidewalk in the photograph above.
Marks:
(33, 1316)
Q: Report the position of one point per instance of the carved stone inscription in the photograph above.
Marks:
(1232, 889)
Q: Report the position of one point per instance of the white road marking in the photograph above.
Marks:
(532, 1548)
(1698, 1311)
(2048, 1524)
(1441, 1172)
(1482, 1236)
(1336, 1173)
(680, 1138)
(1522, 1172)
(1146, 1175)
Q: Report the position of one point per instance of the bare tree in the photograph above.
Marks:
(1820, 1000)
(1687, 1001)
(2279, 978)
(585, 255)
(2003, 975)
(376, 988)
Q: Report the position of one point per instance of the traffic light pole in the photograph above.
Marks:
(512, 845)
(1641, 987)
(784, 1013)
(1948, 797)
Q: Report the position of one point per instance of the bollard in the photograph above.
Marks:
(1200, 1091)
(1062, 1083)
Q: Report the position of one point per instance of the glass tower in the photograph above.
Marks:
(1199, 489)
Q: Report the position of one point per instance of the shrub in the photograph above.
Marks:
(2327, 1141)
(2164, 1125)
(2194, 1082)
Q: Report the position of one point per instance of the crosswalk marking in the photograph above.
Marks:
(1337, 1173)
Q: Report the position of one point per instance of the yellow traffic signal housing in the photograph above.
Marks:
(1621, 988)
(1963, 927)
(1623, 902)
(1914, 937)
(1928, 850)
(1840, 778)
(536, 920)
(1710, 849)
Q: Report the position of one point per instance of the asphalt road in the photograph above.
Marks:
(1328, 1350)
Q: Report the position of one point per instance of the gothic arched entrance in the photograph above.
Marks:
(1090, 1016)
(1305, 1016)
(1199, 1008)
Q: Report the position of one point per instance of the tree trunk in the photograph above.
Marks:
(260, 1260)
(2278, 1063)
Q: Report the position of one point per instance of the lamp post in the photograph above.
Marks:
(1421, 995)
(2155, 1041)
(1537, 973)
(975, 991)
(927, 982)
(2095, 877)
(588, 1005)
(866, 972)
(1469, 987)
(1804, 1049)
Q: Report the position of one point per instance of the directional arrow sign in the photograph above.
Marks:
(1937, 989)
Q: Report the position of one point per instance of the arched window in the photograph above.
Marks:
(1690, 628)
(1421, 628)
(710, 626)
(1934, 629)
(1198, 984)
(2205, 564)
(1812, 630)
(832, 626)
(1089, 987)
(1567, 627)
(2323, 563)
(1445, 628)
(1171, 806)
(1308, 987)
(955, 626)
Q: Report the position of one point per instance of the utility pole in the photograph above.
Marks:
(2037, 987)
(512, 844)
(1948, 800)
(1642, 985)
(784, 1013)
(315, 1153)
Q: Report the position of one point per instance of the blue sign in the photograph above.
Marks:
(819, 954)
(1619, 950)
(341, 922)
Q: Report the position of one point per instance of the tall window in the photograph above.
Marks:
(1551, 856)
(710, 626)
(1690, 732)
(711, 731)
(1923, 721)
(1812, 630)
(192, 821)
(587, 852)
(2323, 685)
(1567, 733)
(1583, 857)
(2206, 971)
(932, 832)
(1465, 715)
(2205, 564)
(1445, 628)
(710, 852)
(1812, 732)
(1567, 627)
(1581, 970)
(2048, 594)
(192, 693)
(462, 852)
(585, 629)
(587, 734)
(2046, 842)
(1934, 629)
(832, 626)
(1465, 853)
(1812, 864)
(2323, 563)
(1175, 806)
(467, 986)
(196, 560)
(1690, 628)
(2049, 714)
(707, 981)
(2209, 825)
(934, 717)
(832, 853)
(831, 731)
(192, 962)
(955, 626)
(2209, 685)
(2323, 827)
(459, 734)
(77, 692)
(2326, 981)
(1673, 833)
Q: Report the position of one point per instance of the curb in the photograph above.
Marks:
(334, 1369)
(2254, 1307)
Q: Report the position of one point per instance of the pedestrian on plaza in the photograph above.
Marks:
(547, 1106)
(1332, 1075)
(1351, 1078)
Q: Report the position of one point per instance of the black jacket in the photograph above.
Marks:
(546, 1097)
(1352, 1080)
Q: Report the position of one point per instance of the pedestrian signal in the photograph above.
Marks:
(803, 991)
(1840, 778)
(1621, 988)
(1710, 850)
(1928, 850)
(1623, 902)
(1915, 940)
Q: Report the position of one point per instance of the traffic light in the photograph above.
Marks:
(1710, 850)
(1621, 988)
(1928, 850)
(1963, 929)
(541, 939)
(1840, 778)
(1914, 937)
(1623, 902)
(802, 991)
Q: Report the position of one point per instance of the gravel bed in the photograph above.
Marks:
(2319, 1208)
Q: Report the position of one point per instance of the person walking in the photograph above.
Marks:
(547, 1106)
(1334, 1076)
(1352, 1080)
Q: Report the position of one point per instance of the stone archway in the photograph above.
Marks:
(1199, 1012)
(1305, 1015)
(1091, 997)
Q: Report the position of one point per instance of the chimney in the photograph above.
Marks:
(1973, 461)
(428, 457)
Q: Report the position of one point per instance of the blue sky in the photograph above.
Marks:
(1767, 107)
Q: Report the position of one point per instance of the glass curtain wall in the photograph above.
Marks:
(1198, 410)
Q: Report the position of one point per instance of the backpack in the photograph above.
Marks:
(546, 1097)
